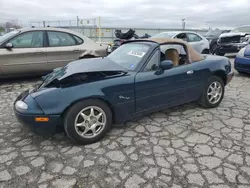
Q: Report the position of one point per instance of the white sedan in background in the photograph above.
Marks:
(197, 41)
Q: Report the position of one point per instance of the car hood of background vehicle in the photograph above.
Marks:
(247, 50)
(232, 34)
(83, 66)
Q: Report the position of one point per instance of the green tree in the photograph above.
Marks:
(2, 29)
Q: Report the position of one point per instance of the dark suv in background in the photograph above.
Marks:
(212, 36)
(233, 41)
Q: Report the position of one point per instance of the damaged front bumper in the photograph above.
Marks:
(229, 48)
(29, 114)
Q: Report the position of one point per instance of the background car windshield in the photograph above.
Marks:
(212, 33)
(245, 29)
(8, 35)
(164, 35)
(178, 47)
(129, 55)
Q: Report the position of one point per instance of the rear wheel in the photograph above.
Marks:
(213, 92)
(88, 121)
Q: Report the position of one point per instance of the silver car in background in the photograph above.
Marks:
(197, 41)
(36, 51)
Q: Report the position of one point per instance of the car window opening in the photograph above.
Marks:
(174, 52)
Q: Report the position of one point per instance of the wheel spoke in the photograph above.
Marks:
(211, 99)
(92, 112)
(215, 85)
(80, 124)
(96, 124)
(218, 97)
(94, 132)
(85, 131)
(93, 129)
(210, 93)
(84, 116)
(98, 116)
(211, 88)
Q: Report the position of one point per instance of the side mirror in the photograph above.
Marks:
(166, 64)
(9, 45)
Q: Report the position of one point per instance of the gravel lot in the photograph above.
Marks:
(186, 146)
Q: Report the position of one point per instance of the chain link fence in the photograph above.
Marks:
(93, 28)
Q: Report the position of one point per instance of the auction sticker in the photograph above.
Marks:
(136, 53)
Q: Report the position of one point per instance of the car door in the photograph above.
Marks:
(62, 48)
(155, 89)
(26, 56)
(195, 41)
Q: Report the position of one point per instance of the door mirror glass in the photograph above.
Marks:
(166, 64)
(9, 45)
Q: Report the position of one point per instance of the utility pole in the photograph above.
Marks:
(99, 29)
(77, 19)
(183, 24)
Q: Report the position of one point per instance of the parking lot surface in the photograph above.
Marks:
(185, 146)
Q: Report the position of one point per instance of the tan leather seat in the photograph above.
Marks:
(173, 55)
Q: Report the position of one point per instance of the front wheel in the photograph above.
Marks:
(213, 92)
(88, 121)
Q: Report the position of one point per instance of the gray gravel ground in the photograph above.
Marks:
(185, 146)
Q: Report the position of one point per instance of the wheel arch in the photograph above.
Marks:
(87, 56)
(221, 74)
(88, 98)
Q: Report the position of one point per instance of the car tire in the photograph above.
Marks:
(206, 51)
(82, 132)
(87, 56)
(220, 54)
(206, 98)
(213, 48)
(240, 72)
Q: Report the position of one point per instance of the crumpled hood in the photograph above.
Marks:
(83, 66)
(232, 34)
(91, 65)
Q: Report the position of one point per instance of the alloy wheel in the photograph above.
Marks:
(214, 92)
(90, 122)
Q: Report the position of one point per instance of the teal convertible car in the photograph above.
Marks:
(142, 76)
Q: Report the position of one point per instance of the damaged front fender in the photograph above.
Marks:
(100, 52)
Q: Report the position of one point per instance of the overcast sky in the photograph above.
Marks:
(132, 13)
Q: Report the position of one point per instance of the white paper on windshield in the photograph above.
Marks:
(136, 53)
